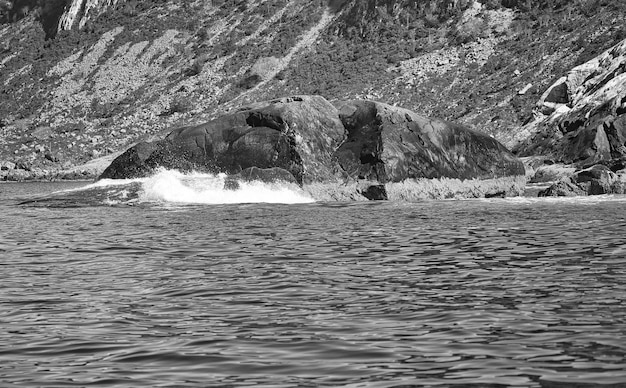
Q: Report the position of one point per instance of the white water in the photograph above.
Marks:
(171, 186)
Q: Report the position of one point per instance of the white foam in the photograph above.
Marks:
(171, 186)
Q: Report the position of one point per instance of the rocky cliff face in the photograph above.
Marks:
(581, 118)
(128, 70)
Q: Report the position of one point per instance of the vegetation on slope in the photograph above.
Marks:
(144, 66)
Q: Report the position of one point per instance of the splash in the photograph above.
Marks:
(171, 186)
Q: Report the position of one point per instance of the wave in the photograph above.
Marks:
(199, 188)
(174, 187)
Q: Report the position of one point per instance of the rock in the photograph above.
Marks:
(563, 188)
(78, 12)
(557, 93)
(525, 89)
(363, 145)
(595, 180)
(6, 165)
(23, 165)
(42, 133)
(297, 134)
(392, 144)
(17, 175)
(581, 118)
(266, 175)
(51, 157)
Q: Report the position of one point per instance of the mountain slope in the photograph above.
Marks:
(127, 70)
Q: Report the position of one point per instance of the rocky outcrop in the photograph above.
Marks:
(595, 180)
(297, 134)
(581, 118)
(365, 146)
(387, 144)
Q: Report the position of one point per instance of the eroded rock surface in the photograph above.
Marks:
(581, 118)
(389, 144)
(363, 145)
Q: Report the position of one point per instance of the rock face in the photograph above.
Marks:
(594, 180)
(391, 144)
(581, 118)
(366, 144)
(297, 134)
(78, 12)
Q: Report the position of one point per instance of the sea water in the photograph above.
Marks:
(171, 281)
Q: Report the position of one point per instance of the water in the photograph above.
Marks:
(118, 285)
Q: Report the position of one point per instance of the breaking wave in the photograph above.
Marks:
(174, 187)
(200, 188)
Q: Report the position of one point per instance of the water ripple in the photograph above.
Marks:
(446, 294)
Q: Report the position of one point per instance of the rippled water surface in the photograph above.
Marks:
(478, 293)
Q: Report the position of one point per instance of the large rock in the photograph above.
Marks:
(360, 147)
(595, 180)
(297, 134)
(391, 144)
(581, 118)
(387, 144)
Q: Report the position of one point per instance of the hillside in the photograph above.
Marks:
(83, 79)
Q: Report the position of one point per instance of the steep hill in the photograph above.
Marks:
(81, 79)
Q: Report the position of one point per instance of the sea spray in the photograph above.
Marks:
(200, 188)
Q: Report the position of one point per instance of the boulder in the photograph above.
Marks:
(362, 146)
(297, 134)
(387, 144)
(595, 180)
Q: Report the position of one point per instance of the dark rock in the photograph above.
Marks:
(558, 94)
(297, 134)
(266, 175)
(563, 188)
(499, 194)
(52, 157)
(596, 180)
(391, 144)
(23, 165)
(307, 140)
(374, 192)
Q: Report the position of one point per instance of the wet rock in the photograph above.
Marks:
(297, 134)
(265, 175)
(392, 144)
(362, 144)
